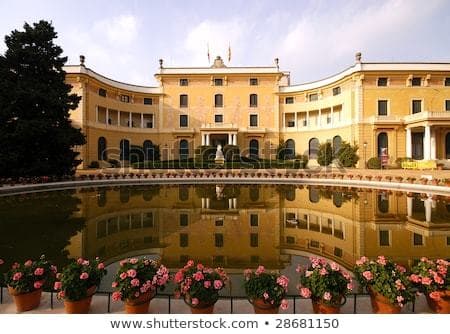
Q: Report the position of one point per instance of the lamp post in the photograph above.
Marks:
(365, 148)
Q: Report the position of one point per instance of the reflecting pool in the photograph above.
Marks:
(233, 226)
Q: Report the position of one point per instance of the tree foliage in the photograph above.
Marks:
(35, 130)
(325, 154)
(347, 155)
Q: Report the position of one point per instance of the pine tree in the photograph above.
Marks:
(36, 134)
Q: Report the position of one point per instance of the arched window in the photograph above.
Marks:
(184, 149)
(148, 150)
(447, 146)
(253, 100)
(382, 143)
(218, 100)
(183, 193)
(337, 141)
(124, 149)
(254, 148)
(314, 195)
(290, 149)
(313, 148)
(290, 193)
(102, 153)
(254, 193)
(383, 203)
(337, 199)
(124, 195)
(101, 198)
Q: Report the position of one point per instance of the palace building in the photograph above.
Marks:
(399, 108)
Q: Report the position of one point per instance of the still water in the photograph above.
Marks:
(232, 226)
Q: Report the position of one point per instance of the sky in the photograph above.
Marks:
(123, 40)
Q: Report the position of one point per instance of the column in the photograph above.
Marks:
(230, 142)
(107, 116)
(118, 117)
(433, 144)
(284, 120)
(203, 203)
(427, 143)
(203, 141)
(408, 143)
(207, 139)
(207, 203)
(234, 203)
(129, 119)
(409, 206)
(427, 203)
(332, 116)
(319, 123)
(295, 120)
(235, 139)
(307, 118)
(142, 120)
(230, 203)
(96, 114)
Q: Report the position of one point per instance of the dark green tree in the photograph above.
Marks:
(347, 155)
(325, 154)
(36, 134)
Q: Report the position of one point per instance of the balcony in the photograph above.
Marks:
(219, 126)
(384, 119)
(427, 116)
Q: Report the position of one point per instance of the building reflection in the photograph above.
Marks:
(242, 226)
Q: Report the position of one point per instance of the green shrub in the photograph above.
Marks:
(301, 161)
(94, 164)
(325, 154)
(374, 163)
(205, 153)
(114, 163)
(231, 153)
(399, 161)
(347, 155)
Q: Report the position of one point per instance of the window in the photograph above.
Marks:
(291, 124)
(148, 219)
(218, 240)
(184, 219)
(218, 100)
(184, 153)
(336, 91)
(447, 105)
(102, 92)
(253, 219)
(416, 81)
(382, 107)
(448, 241)
(125, 98)
(184, 240)
(384, 238)
(102, 153)
(290, 240)
(183, 82)
(337, 252)
(218, 118)
(313, 97)
(417, 239)
(253, 82)
(314, 244)
(183, 121)
(148, 101)
(253, 120)
(183, 101)
(218, 82)
(289, 100)
(447, 82)
(253, 239)
(416, 106)
(382, 82)
(253, 100)
(219, 222)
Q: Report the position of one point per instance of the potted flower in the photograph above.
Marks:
(432, 278)
(136, 283)
(26, 281)
(2, 278)
(77, 283)
(199, 286)
(266, 291)
(387, 283)
(326, 284)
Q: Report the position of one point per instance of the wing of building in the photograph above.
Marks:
(402, 109)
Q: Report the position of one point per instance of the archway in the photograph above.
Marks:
(290, 149)
(254, 148)
(102, 153)
(124, 149)
(382, 143)
(337, 141)
(148, 150)
(313, 148)
(184, 149)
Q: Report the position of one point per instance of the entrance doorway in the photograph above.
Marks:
(417, 145)
(218, 139)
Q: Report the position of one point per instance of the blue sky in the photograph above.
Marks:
(313, 39)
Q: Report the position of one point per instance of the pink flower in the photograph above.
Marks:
(134, 282)
(80, 260)
(423, 259)
(61, 294)
(37, 284)
(381, 260)
(438, 279)
(367, 275)
(190, 263)
(84, 276)
(346, 276)
(123, 275)
(283, 281)
(54, 269)
(415, 278)
(101, 266)
(116, 296)
(144, 289)
(207, 284)
(179, 276)
(399, 285)
(123, 262)
(247, 273)
(15, 265)
(114, 284)
(198, 276)
(361, 261)
(131, 273)
(29, 263)
(305, 292)
(426, 280)
(133, 260)
(401, 269)
(284, 304)
(266, 295)
(136, 294)
(435, 295)
(17, 276)
(218, 284)
(308, 273)
(327, 296)
(400, 299)
(349, 286)
(194, 301)
(39, 271)
(323, 271)
(260, 270)
(334, 266)
(1, 262)
(200, 266)
(299, 269)
(57, 286)
(85, 263)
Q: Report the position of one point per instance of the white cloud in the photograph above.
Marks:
(119, 30)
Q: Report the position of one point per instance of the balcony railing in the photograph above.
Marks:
(427, 115)
(219, 126)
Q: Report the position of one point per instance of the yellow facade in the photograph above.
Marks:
(401, 107)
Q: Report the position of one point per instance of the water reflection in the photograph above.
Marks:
(225, 225)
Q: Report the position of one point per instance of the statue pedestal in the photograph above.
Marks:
(219, 161)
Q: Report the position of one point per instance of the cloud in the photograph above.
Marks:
(121, 30)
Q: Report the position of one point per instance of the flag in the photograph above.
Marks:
(229, 52)
(209, 60)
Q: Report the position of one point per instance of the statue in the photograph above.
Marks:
(219, 159)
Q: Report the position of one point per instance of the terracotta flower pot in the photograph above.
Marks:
(381, 304)
(261, 307)
(323, 308)
(202, 307)
(26, 301)
(442, 305)
(80, 306)
(139, 305)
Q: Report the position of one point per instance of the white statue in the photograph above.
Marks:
(219, 155)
